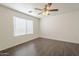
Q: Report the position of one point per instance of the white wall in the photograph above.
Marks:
(6, 29)
(63, 27)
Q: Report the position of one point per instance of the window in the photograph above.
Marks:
(22, 26)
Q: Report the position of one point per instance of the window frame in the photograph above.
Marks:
(14, 30)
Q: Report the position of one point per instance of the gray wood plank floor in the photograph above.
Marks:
(44, 47)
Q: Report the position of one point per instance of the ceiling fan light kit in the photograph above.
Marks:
(46, 9)
(45, 13)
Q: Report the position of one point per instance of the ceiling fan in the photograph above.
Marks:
(46, 9)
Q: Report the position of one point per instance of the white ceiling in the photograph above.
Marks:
(25, 7)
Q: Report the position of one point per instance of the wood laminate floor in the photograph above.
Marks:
(43, 47)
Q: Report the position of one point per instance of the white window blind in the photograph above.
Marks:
(22, 26)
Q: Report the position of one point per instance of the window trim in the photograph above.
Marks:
(26, 27)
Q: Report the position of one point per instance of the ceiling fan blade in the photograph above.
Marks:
(37, 9)
(53, 10)
(40, 13)
(48, 14)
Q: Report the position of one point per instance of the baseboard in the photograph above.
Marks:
(59, 40)
(7, 49)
